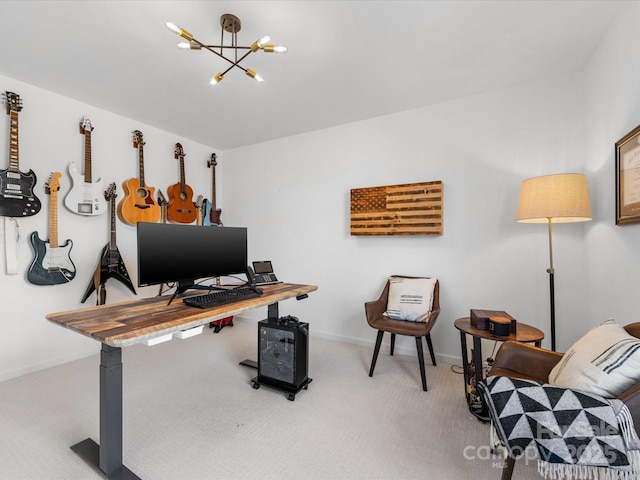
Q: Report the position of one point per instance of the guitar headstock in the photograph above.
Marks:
(12, 101)
(213, 161)
(85, 126)
(178, 153)
(162, 201)
(110, 192)
(53, 183)
(199, 201)
(137, 139)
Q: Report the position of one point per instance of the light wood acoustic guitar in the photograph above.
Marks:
(181, 208)
(138, 204)
(16, 188)
(85, 196)
(111, 264)
(52, 264)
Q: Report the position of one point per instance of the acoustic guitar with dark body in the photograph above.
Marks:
(16, 188)
(111, 264)
(181, 208)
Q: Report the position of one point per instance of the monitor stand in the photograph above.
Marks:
(184, 285)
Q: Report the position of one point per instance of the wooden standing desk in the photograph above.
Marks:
(127, 323)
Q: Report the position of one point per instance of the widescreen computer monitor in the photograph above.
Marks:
(184, 254)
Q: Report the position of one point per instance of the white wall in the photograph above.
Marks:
(294, 198)
(613, 109)
(49, 140)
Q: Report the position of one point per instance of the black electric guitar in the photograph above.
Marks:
(52, 264)
(16, 188)
(111, 264)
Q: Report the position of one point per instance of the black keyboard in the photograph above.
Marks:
(223, 297)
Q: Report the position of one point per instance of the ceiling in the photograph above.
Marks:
(347, 60)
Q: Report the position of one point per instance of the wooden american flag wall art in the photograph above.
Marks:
(408, 209)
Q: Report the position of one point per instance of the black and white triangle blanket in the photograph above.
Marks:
(572, 434)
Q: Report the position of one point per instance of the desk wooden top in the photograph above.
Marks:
(134, 321)
(524, 333)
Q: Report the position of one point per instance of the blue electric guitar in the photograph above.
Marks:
(52, 264)
(16, 188)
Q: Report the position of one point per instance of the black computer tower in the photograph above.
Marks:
(283, 354)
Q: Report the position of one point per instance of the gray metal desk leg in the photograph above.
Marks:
(107, 457)
(272, 314)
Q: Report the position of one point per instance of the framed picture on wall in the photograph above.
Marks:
(628, 178)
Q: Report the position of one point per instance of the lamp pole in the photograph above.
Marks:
(552, 299)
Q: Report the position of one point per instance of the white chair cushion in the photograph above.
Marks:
(605, 361)
(410, 299)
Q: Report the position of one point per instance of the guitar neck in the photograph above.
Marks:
(112, 238)
(141, 165)
(213, 189)
(182, 176)
(53, 219)
(13, 143)
(87, 157)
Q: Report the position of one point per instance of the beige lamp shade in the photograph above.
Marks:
(561, 198)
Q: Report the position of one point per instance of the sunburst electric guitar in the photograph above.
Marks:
(138, 204)
(16, 188)
(111, 264)
(85, 196)
(211, 212)
(52, 264)
(181, 208)
(199, 210)
(162, 201)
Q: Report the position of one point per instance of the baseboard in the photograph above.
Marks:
(49, 363)
(399, 349)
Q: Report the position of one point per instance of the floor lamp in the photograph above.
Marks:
(562, 198)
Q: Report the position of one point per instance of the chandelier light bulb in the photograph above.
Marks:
(184, 45)
(180, 31)
(254, 75)
(216, 79)
(258, 44)
(173, 27)
(275, 48)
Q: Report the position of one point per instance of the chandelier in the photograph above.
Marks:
(231, 25)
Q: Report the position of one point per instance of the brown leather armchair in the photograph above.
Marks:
(374, 312)
(521, 360)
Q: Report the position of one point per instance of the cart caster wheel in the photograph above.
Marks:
(256, 386)
(291, 397)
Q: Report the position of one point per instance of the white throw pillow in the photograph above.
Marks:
(410, 299)
(606, 362)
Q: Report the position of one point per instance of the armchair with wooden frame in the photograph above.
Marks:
(375, 317)
(525, 361)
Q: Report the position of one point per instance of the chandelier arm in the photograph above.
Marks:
(226, 46)
(233, 64)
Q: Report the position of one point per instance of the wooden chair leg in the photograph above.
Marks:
(421, 361)
(433, 357)
(375, 352)
(393, 343)
(507, 469)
